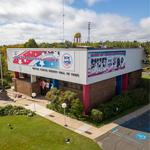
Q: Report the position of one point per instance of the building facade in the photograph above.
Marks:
(95, 74)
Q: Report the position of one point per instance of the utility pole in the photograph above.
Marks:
(2, 81)
(89, 32)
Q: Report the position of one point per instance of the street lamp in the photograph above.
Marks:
(2, 81)
(64, 105)
(33, 96)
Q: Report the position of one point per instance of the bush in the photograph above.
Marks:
(121, 103)
(14, 110)
(52, 94)
(6, 84)
(139, 96)
(76, 108)
(96, 115)
(57, 97)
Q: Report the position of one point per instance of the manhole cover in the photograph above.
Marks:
(51, 115)
(88, 132)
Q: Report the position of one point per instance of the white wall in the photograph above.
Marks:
(78, 68)
(133, 62)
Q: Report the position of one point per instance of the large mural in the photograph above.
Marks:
(60, 60)
(101, 62)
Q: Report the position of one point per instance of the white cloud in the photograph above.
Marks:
(92, 2)
(145, 23)
(42, 20)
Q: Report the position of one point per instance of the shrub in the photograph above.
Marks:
(52, 94)
(96, 115)
(14, 110)
(121, 103)
(76, 108)
(139, 96)
(6, 84)
(57, 97)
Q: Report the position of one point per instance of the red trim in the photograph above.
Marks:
(16, 74)
(125, 82)
(86, 98)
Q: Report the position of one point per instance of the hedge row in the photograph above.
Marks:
(119, 104)
(10, 110)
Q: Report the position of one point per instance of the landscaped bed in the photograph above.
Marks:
(104, 113)
(36, 133)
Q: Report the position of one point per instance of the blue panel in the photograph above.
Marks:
(55, 83)
(118, 85)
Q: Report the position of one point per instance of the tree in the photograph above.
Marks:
(31, 44)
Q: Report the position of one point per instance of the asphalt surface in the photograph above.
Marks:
(132, 135)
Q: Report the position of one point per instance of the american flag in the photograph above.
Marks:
(47, 59)
(25, 58)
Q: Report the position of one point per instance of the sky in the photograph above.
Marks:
(111, 20)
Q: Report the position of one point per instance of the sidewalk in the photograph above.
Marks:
(39, 106)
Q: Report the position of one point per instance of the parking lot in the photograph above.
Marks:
(131, 135)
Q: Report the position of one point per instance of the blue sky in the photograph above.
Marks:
(135, 9)
(111, 20)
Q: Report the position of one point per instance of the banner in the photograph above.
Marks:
(60, 60)
(101, 62)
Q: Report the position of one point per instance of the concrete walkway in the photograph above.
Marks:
(39, 106)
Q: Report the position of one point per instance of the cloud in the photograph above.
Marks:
(42, 20)
(92, 2)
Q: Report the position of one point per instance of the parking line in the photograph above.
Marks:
(127, 138)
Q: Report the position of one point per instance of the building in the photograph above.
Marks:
(95, 74)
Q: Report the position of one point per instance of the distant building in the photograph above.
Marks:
(95, 74)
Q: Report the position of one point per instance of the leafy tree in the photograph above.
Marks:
(31, 44)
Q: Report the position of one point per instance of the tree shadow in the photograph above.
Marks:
(140, 123)
(4, 96)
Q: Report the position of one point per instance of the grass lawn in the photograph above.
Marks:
(37, 133)
(145, 76)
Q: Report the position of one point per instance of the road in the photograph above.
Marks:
(131, 135)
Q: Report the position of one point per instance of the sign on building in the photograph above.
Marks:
(59, 60)
(102, 62)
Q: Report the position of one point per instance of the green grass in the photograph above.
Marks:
(37, 133)
(145, 76)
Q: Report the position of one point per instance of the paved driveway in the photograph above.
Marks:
(131, 135)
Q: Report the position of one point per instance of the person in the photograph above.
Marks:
(41, 89)
(47, 86)
(44, 87)
(50, 84)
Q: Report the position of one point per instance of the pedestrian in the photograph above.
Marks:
(43, 87)
(50, 85)
(47, 86)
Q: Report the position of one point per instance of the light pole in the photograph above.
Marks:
(64, 105)
(2, 81)
(33, 96)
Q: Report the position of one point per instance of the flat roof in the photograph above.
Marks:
(74, 49)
